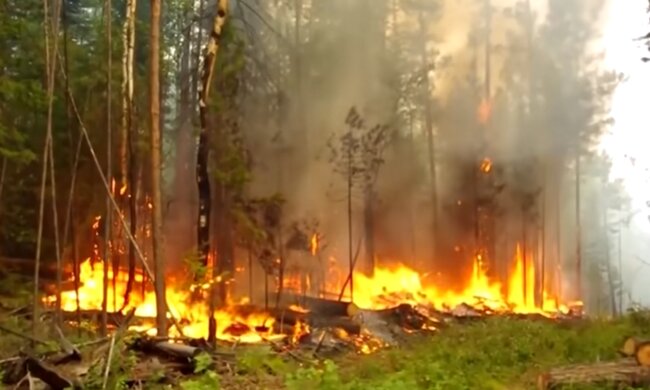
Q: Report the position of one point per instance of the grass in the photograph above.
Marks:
(498, 353)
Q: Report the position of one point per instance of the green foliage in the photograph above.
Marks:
(326, 378)
(208, 381)
(498, 353)
(194, 265)
(260, 360)
(202, 363)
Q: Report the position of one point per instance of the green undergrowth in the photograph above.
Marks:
(497, 353)
(492, 353)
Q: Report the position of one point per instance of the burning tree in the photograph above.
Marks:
(357, 156)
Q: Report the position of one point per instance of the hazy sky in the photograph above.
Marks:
(628, 142)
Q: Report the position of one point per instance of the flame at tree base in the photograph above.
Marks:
(388, 287)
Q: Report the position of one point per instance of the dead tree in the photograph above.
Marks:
(202, 177)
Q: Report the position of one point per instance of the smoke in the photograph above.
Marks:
(391, 60)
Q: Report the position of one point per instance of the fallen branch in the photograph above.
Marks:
(107, 370)
(47, 374)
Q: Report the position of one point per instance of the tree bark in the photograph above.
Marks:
(202, 178)
(154, 99)
(109, 169)
(578, 226)
(431, 149)
(127, 152)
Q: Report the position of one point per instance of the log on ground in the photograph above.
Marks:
(320, 306)
(47, 374)
(622, 372)
(286, 318)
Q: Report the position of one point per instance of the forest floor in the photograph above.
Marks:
(492, 353)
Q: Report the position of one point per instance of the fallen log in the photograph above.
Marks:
(622, 372)
(642, 354)
(288, 317)
(165, 348)
(47, 374)
(320, 306)
(629, 346)
(114, 318)
(403, 315)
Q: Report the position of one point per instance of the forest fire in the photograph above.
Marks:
(392, 286)
(389, 287)
(246, 328)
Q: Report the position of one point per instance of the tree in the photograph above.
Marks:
(156, 169)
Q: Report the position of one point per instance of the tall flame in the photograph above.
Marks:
(389, 286)
(250, 327)
(313, 244)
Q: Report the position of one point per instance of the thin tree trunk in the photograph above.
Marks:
(109, 165)
(350, 259)
(578, 228)
(3, 174)
(558, 242)
(128, 151)
(202, 177)
(55, 219)
(620, 266)
(524, 252)
(369, 230)
(608, 260)
(156, 169)
(50, 65)
(431, 149)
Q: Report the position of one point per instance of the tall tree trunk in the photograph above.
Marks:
(369, 230)
(127, 152)
(620, 266)
(109, 165)
(156, 169)
(350, 258)
(202, 178)
(578, 226)
(431, 147)
(608, 259)
(51, 27)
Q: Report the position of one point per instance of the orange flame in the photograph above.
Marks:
(390, 286)
(484, 111)
(486, 165)
(194, 316)
(313, 245)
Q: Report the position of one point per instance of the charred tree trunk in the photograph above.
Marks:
(369, 229)
(202, 177)
(156, 170)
